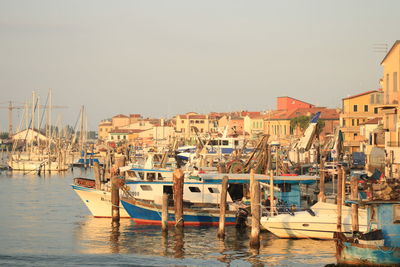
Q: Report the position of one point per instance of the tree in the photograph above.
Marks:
(303, 122)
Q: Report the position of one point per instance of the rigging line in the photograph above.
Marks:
(44, 109)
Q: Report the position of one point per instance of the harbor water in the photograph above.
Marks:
(44, 223)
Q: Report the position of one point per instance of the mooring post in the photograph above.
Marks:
(271, 194)
(343, 185)
(96, 170)
(255, 211)
(222, 207)
(115, 200)
(178, 197)
(321, 195)
(339, 198)
(164, 216)
(354, 207)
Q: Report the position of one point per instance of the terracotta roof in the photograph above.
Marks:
(120, 116)
(372, 121)
(246, 113)
(135, 115)
(326, 113)
(365, 93)
(102, 123)
(126, 131)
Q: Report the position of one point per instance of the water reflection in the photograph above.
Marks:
(96, 236)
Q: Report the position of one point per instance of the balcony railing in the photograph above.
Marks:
(393, 143)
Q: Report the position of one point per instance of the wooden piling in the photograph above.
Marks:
(343, 185)
(115, 201)
(96, 170)
(255, 211)
(222, 207)
(271, 192)
(164, 216)
(354, 207)
(178, 197)
(339, 199)
(321, 195)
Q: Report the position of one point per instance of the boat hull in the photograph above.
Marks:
(367, 255)
(98, 202)
(320, 225)
(143, 213)
(33, 165)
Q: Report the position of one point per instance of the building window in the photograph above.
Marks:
(376, 110)
(182, 121)
(394, 81)
(201, 121)
(344, 122)
(372, 101)
(365, 108)
(355, 108)
(355, 134)
(197, 122)
(352, 122)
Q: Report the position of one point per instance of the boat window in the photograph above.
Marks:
(141, 175)
(396, 213)
(213, 143)
(146, 187)
(236, 142)
(159, 176)
(132, 174)
(194, 189)
(213, 190)
(225, 142)
(151, 176)
(285, 187)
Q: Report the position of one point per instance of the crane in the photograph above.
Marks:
(11, 107)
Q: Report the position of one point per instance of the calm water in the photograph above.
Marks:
(44, 223)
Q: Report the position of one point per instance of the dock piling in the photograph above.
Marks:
(255, 211)
(96, 170)
(115, 201)
(164, 225)
(354, 207)
(222, 208)
(321, 195)
(178, 197)
(339, 199)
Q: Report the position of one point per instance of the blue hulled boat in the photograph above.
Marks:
(380, 246)
(149, 213)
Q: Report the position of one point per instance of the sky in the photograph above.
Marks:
(163, 58)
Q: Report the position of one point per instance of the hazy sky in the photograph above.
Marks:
(162, 58)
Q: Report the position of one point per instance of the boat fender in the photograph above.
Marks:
(312, 213)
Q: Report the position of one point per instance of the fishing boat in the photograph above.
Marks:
(379, 245)
(150, 213)
(319, 222)
(143, 184)
(97, 201)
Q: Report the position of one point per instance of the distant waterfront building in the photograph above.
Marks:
(278, 122)
(290, 103)
(104, 129)
(187, 123)
(356, 110)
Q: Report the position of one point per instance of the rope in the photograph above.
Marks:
(181, 219)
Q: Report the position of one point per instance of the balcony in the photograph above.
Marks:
(393, 143)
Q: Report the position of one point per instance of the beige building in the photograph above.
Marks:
(356, 110)
(119, 121)
(390, 109)
(104, 129)
(186, 124)
(253, 125)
